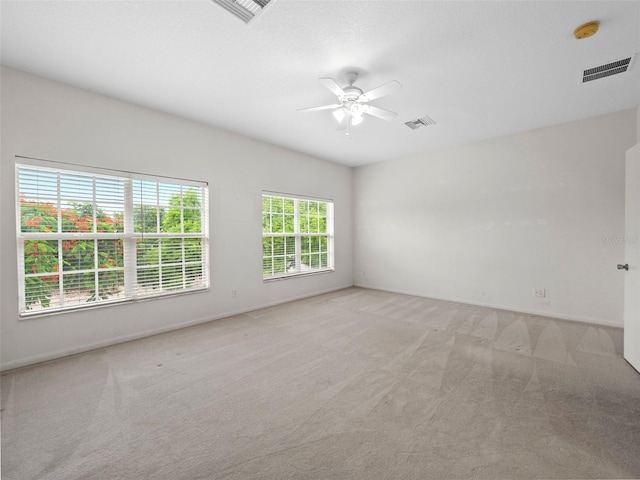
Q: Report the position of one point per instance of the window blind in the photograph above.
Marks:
(88, 238)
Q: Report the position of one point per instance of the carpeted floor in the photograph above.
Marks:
(356, 384)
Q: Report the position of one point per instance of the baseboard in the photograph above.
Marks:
(157, 331)
(509, 308)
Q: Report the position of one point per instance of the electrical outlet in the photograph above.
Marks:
(539, 292)
(234, 294)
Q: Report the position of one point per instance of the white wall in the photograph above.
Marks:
(49, 120)
(486, 223)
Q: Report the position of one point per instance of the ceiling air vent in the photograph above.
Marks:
(419, 122)
(245, 10)
(606, 70)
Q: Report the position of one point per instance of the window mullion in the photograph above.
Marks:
(61, 278)
(59, 203)
(160, 264)
(184, 266)
(158, 230)
(330, 234)
(129, 241)
(94, 207)
(96, 287)
(181, 209)
(184, 269)
(94, 229)
(160, 243)
(60, 271)
(296, 230)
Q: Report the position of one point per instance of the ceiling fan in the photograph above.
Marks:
(353, 103)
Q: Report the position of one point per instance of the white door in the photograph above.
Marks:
(632, 259)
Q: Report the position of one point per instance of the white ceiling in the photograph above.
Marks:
(479, 69)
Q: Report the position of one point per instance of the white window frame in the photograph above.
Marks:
(299, 268)
(131, 291)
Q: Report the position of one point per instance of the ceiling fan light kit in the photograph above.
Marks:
(353, 103)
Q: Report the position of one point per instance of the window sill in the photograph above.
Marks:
(80, 308)
(297, 275)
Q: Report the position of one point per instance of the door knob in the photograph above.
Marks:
(623, 267)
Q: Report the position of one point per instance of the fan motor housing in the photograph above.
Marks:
(352, 93)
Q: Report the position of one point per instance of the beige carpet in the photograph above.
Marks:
(357, 384)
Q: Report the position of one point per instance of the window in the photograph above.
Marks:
(297, 236)
(89, 237)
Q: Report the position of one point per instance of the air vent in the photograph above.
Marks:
(606, 70)
(419, 122)
(245, 10)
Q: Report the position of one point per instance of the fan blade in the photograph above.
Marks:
(322, 107)
(331, 84)
(386, 89)
(380, 112)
